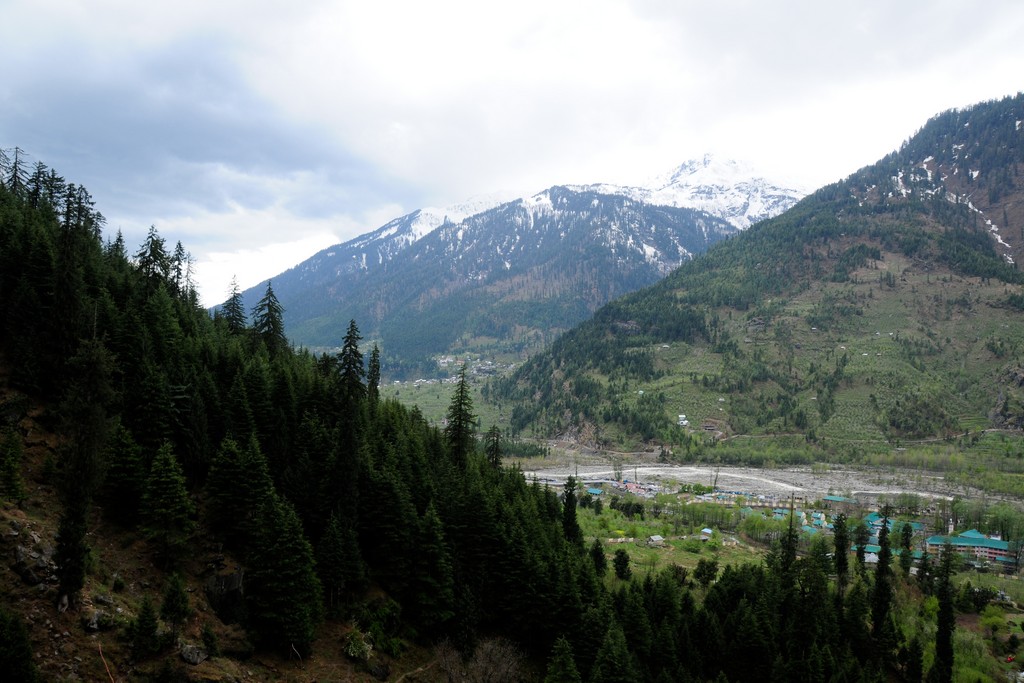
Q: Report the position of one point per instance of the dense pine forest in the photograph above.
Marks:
(210, 439)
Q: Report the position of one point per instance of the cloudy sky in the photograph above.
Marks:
(258, 131)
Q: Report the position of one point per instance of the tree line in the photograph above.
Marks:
(344, 506)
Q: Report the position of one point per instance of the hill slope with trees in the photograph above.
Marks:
(507, 279)
(185, 488)
(881, 310)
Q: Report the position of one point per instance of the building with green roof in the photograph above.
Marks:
(974, 543)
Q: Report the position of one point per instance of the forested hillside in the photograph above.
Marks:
(884, 309)
(506, 280)
(181, 487)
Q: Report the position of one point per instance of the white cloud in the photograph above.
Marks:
(278, 240)
(243, 126)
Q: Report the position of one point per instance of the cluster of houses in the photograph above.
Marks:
(809, 521)
(973, 545)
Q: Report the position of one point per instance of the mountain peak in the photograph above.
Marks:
(724, 188)
(709, 169)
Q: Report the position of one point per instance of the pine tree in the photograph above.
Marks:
(492, 446)
(613, 664)
(283, 597)
(85, 412)
(841, 556)
(906, 548)
(339, 564)
(621, 564)
(570, 525)
(233, 311)
(636, 625)
(459, 430)
(166, 509)
(238, 485)
(597, 556)
(268, 322)
(855, 616)
(561, 665)
(432, 583)
(351, 370)
(179, 261)
(143, 631)
(925, 577)
(882, 594)
(861, 536)
(175, 608)
(72, 552)
(373, 376)
(152, 258)
(913, 671)
(126, 476)
(942, 668)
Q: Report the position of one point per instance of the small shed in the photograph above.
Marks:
(655, 541)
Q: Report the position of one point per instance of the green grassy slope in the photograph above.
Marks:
(879, 312)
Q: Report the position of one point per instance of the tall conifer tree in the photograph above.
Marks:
(166, 508)
(126, 476)
(942, 668)
(460, 427)
(350, 369)
(433, 584)
(841, 556)
(85, 412)
(492, 446)
(882, 594)
(175, 608)
(268, 322)
(570, 525)
(234, 312)
(562, 666)
(373, 376)
(283, 597)
(339, 564)
(906, 548)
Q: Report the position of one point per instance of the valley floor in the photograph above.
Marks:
(767, 485)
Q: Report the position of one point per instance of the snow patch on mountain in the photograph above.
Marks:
(724, 188)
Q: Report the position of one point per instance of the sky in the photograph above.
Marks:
(257, 132)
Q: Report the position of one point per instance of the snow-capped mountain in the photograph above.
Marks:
(381, 245)
(724, 188)
(510, 272)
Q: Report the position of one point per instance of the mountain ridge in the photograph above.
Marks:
(358, 279)
(722, 187)
(838, 323)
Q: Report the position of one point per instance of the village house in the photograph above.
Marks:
(976, 544)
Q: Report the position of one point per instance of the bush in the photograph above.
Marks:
(210, 641)
(692, 545)
(359, 646)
